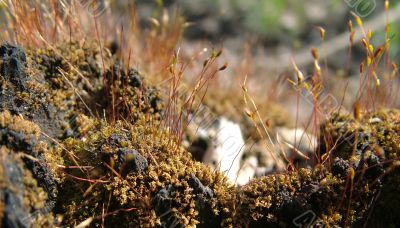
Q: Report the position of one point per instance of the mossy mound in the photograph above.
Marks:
(370, 146)
(140, 175)
(354, 185)
(49, 85)
(288, 200)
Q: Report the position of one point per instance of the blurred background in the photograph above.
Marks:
(274, 29)
(269, 34)
(278, 26)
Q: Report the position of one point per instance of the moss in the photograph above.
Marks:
(128, 95)
(371, 146)
(53, 83)
(127, 169)
(23, 199)
(26, 202)
(169, 168)
(278, 200)
(66, 76)
(19, 124)
(162, 193)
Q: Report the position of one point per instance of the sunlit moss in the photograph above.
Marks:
(127, 168)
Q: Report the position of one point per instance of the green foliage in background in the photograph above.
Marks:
(262, 16)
